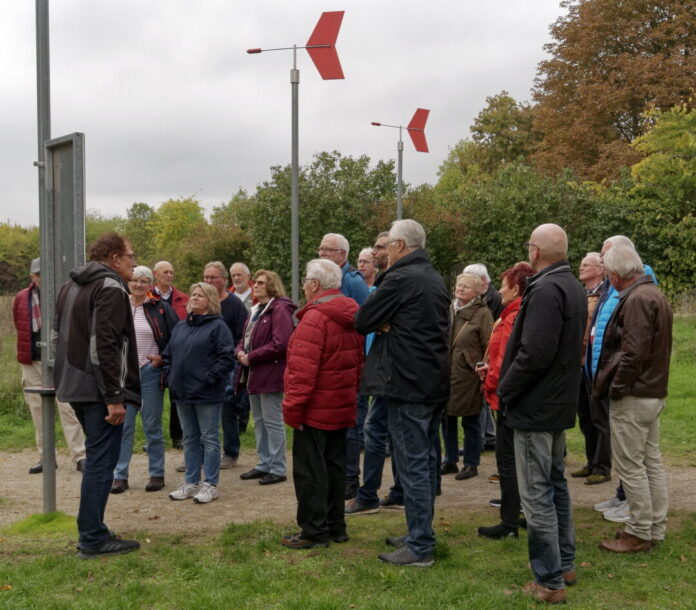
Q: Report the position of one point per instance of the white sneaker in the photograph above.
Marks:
(607, 504)
(185, 490)
(619, 514)
(206, 493)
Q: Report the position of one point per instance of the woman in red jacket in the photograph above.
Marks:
(513, 284)
(325, 358)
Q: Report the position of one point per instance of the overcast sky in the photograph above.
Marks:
(172, 106)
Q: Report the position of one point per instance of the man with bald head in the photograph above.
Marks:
(538, 389)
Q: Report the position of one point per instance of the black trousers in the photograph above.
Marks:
(319, 474)
(593, 416)
(507, 471)
(175, 431)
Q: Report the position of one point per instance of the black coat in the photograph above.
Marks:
(540, 376)
(409, 363)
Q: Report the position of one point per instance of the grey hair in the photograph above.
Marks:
(624, 261)
(470, 280)
(158, 264)
(143, 271)
(619, 240)
(410, 231)
(480, 270)
(341, 241)
(365, 251)
(245, 269)
(219, 266)
(326, 272)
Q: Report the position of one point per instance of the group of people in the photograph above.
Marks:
(380, 357)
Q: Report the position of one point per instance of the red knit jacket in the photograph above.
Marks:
(325, 360)
(22, 320)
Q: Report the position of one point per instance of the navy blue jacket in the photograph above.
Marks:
(198, 358)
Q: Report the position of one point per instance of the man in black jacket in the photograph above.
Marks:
(538, 389)
(407, 367)
(96, 371)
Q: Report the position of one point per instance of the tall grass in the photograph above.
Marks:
(11, 401)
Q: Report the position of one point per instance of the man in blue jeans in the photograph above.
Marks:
(538, 389)
(407, 368)
(96, 371)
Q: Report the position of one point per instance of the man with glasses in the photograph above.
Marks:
(538, 389)
(407, 367)
(96, 371)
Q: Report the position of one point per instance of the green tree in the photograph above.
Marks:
(97, 223)
(140, 230)
(18, 246)
(609, 62)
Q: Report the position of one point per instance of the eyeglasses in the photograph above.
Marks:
(259, 282)
(308, 279)
(590, 265)
(207, 278)
(141, 281)
(323, 249)
(129, 255)
(379, 247)
(393, 241)
(529, 243)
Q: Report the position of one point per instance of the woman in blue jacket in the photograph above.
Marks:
(197, 361)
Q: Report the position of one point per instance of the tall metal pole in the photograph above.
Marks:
(294, 188)
(399, 178)
(43, 92)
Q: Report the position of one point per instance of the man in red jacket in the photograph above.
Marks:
(325, 359)
(26, 313)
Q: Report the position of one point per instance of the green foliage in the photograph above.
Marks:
(139, 227)
(98, 223)
(18, 246)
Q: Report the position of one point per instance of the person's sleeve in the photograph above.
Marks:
(358, 289)
(636, 346)
(380, 307)
(486, 328)
(539, 343)
(15, 311)
(240, 316)
(170, 317)
(281, 329)
(107, 353)
(303, 366)
(223, 347)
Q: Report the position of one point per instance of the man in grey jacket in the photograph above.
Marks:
(96, 371)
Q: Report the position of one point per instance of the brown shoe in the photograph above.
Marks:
(597, 479)
(570, 578)
(550, 596)
(119, 486)
(582, 473)
(628, 543)
(155, 484)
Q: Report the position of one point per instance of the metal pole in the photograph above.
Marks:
(43, 92)
(399, 178)
(294, 189)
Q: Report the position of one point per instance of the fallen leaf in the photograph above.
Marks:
(267, 553)
(610, 576)
(682, 558)
(6, 588)
(153, 517)
(667, 587)
(508, 592)
(642, 565)
(585, 564)
(148, 540)
(90, 577)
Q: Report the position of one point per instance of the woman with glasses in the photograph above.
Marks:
(153, 320)
(262, 354)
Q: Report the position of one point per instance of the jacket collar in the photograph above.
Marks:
(643, 279)
(560, 267)
(418, 255)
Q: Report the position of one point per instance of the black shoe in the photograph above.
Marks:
(177, 443)
(497, 531)
(389, 502)
(119, 486)
(253, 474)
(490, 446)
(448, 468)
(38, 468)
(467, 472)
(271, 478)
(80, 466)
(351, 489)
(296, 541)
(340, 538)
(495, 502)
(111, 546)
(155, 484)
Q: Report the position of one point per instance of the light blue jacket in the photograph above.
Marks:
(353, 285)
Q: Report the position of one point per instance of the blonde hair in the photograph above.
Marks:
(210, 293)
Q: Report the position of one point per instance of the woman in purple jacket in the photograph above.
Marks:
(262, 355)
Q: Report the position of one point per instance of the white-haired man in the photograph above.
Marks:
(335, 247)
(241, 284)
(408, 367)
(633, 372)
(538, 389)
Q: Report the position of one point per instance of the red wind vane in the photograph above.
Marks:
(416, 129)
(326, 58)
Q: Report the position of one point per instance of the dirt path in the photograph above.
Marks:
(244, 501)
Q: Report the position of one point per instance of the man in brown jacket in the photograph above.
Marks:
(633, 371)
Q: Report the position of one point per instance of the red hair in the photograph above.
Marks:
(517, 276)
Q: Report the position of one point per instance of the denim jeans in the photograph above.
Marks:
(546, 503)
(200, 423)
(472, 440)
(413, 429)
(354, 439)
(151, 412)
(102, 445)
(267, 411)
(486, 425)
(235, 412)
(376, 434)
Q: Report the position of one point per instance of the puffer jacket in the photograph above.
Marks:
(21, 315)
(268, 345)
(470, 331)
(325, 360)
(198, 359)
(96, 354)
(496, 350)
(637, 345)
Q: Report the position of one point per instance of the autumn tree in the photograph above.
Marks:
(609, 62)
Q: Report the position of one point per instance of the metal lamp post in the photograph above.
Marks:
(321, 47)
(416, 129)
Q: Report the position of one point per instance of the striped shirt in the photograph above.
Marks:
(144, 339)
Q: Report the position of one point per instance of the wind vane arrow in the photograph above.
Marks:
(321, 45)
(416, 129)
